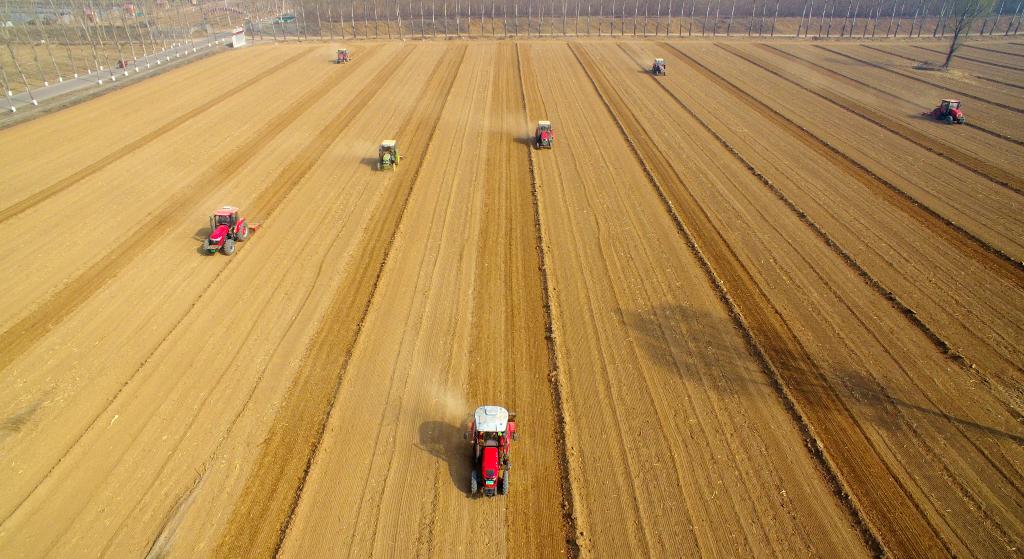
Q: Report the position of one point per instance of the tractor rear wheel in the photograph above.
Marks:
(474, 483)
(244, 233)
(229, 247)
(504, 483)
(949, 119)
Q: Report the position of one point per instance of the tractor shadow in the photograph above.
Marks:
(370, 162)
(444, 441)
(200, 235)
(524, 140)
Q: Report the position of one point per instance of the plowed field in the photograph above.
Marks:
(757, 307)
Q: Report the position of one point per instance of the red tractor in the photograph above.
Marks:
(949, 112)
(343, 56)
(226, 229)
(544, 135)
(492, 431)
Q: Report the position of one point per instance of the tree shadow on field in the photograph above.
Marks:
(444, 441)
(696, 346)
(711, 352)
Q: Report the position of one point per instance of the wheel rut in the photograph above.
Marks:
(572, 546)
(264, 511)
(958, 157)
(859, 83)
(17, 339)
(966, 242)
(132, 147)
(917, 79)
(878, 503)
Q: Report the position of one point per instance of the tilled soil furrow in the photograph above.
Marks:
(969, 61)
(555, 378)
(969, 244)
(950, 153)
(878, 498)
(879, 286)
(833, 245)
(978, 60)
(960, 93)
(124, 151)
(1002, 52)
(276, 190)
(19, 337)
(860, 83)
(264, 511)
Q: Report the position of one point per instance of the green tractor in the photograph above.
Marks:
(387, 155)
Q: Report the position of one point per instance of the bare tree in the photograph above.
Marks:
(964, 13)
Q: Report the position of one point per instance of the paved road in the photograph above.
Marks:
(143, 65)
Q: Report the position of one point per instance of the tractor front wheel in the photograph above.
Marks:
(229, 247)
(243, 234)
(949, 119)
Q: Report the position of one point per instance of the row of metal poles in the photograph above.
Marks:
(427, 13)
(158, 26)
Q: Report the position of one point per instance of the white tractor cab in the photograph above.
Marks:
(387, 155)
(659, 68)
(492, 431)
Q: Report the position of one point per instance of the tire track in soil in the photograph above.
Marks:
(917, 79)
(859, 83)
(966, 242)
(978, 60)
(995, 51)
(17, 339)
(919, 61)
(969, 368)
(267, 505)
(940, 343)
(950, 153)
(555, 377)
(267, 200)
(124, 151)
(879, 505)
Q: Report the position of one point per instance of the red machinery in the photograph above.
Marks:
(544, 135)
(227, 228)
(492, 431)
(343, 56)
(949, 112)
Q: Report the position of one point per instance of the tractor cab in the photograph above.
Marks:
(949, 112)
(228, 215)
(387, 155)
(544, 135)
(343, 56)
(492, 431)
(659, 68)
